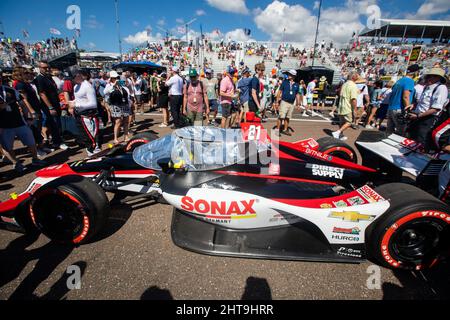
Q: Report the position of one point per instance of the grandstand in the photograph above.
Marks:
(410, 29)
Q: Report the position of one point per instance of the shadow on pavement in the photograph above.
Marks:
(15, 257)
(257, 289)
(155, 293)
(433, 284)
(119, 216)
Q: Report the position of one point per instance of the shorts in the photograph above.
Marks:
(226, 110)
(213, 105)
(120, 111)
(195, 118)
(245, 107)
(309, 99)
(139, 99)
(24, 134)
(382, 111)
(163, 102)
(345, 118)
(286, 110)
(322, 98)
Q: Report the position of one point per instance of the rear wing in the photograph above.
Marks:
(403, 153)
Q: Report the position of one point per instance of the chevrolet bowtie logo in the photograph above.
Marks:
(351, 216)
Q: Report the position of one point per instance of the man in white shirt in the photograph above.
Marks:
(137, 86)
(432, 101)
(363, 100)
(310, 98)
(84, 108)
(175, 84)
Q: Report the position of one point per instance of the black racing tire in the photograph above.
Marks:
(70, 210)
(414, 234)
(139, 140)
(337, 148)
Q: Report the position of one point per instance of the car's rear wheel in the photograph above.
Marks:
(337, 148)
(140, 140)
(413, 234)
(70, 210)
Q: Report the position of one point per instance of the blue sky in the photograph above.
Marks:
(267, 19)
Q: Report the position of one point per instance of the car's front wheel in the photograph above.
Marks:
(413, 234)
(70, 210)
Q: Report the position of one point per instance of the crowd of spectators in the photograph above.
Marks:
(16, 52)
(39, 105)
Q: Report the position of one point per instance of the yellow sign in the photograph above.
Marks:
(351, 216)
(415, 54)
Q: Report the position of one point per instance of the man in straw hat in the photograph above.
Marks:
(430, 103)
(321, 92)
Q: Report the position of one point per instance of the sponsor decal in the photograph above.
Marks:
(369, 194)
(220, 209)
(354, 231)
(326, 206)
(411, 144)
(356, 201)
(319, 155)
(351, 216)
(436, 214)
(344, 238)
(325, 171)
(349, 252)
(340, 204)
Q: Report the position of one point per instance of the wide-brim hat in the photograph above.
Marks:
(361, 80)
(437, 72)
(292, 72)
(323, 78)
(113, 74)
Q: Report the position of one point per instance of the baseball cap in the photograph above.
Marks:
(113, 74)
(292, 72)
(231, 70)
(209, 71)
(193, 73)
(413, 68)
(175, 69)
(246, 70)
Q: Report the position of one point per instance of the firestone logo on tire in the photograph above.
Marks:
(436, 214)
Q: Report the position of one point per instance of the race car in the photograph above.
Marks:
(241, 193)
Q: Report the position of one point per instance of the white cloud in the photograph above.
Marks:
(180, 21)
(298, 24)
(234, 6)
(200, 12)
(92, 23)
(135, 23)
(161, 22)
(142, 37)
(237, 35)
(91, 45)
(316, 5)
(430, 8)
(277, 20)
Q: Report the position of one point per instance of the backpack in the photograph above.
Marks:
(117, 97)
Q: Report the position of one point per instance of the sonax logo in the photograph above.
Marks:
(219, 208)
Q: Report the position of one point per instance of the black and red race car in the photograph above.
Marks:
(241, 193)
